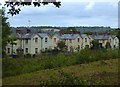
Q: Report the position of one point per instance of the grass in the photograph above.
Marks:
(103, 72)
(18, 66)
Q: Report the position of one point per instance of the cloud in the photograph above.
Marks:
(90, 6)
(69, 14)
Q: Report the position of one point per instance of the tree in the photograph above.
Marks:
(118, 35)
(61, 45)
(11, 41)
(15, 5)
(5, 32)
(95, 44)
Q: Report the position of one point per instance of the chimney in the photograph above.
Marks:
(18, 31)
(28, 30)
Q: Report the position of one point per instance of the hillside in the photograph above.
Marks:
(95, 73)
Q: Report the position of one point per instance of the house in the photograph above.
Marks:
(45, 41)
(106, 40)
(30, 43)
(36, 43)
(86, 41)
(114, 41)
(72, 41)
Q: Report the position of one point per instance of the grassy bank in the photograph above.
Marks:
(13, 67)
(103, 72)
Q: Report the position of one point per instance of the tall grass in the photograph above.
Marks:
(12, 67)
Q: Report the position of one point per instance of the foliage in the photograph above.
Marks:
(5, 32)
(61, 45)
(69, 30)
(103, 72)
(11, 41)
(15, 6)
(95, 44)
(118, 35)
(19, 66)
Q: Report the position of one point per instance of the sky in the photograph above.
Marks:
(71, 13)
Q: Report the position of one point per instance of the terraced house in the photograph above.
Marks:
(40, 42)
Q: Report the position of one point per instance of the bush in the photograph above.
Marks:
(12, 67)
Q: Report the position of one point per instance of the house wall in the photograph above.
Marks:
(86, 41)
(46, 45)
(54, 42)
(116, 42)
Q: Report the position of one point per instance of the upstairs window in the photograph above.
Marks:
(70, 41)
(45, 39)
(78, 39)
(36, 50)
(85, 39)
(26, 41)
(54, 39)
(36, 40)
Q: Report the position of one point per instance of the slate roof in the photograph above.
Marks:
(42, 35)
(24, 36)
(83, 35)
(100, 37)
(15, 35)
(27, 36)
(67, 36)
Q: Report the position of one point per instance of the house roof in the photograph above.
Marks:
(67, 36)
(27, 36)
(100, 37)
(42, 35)
(83, 35)
(15, 35)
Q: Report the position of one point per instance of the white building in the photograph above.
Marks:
(36, 43)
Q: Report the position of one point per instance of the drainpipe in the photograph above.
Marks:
(41, 43)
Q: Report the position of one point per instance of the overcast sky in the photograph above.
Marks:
(71, 13)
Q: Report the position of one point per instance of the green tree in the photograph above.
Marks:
(5, 32)
(118, 35)
(61, 45)
(11, 41)
(95, 44)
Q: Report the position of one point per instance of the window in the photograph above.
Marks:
(26, 50)
(8, 50)
(78, 39)
(26, 41)
(70, 41)
(110, 40)
(45, 39)
(54, 39)
(45, 48)
(36, 40)
(115, 40)
(36, 50)
(114, 46)
(85, 39)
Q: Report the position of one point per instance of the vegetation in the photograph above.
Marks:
(61, 45)
(14, 7)
(5, 32)
(11, 41)
(17, 66)
(103, 72)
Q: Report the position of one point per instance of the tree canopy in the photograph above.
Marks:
(61, 45)
(5, 31)
(16, 5)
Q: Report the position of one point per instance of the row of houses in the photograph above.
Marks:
(36, 43)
